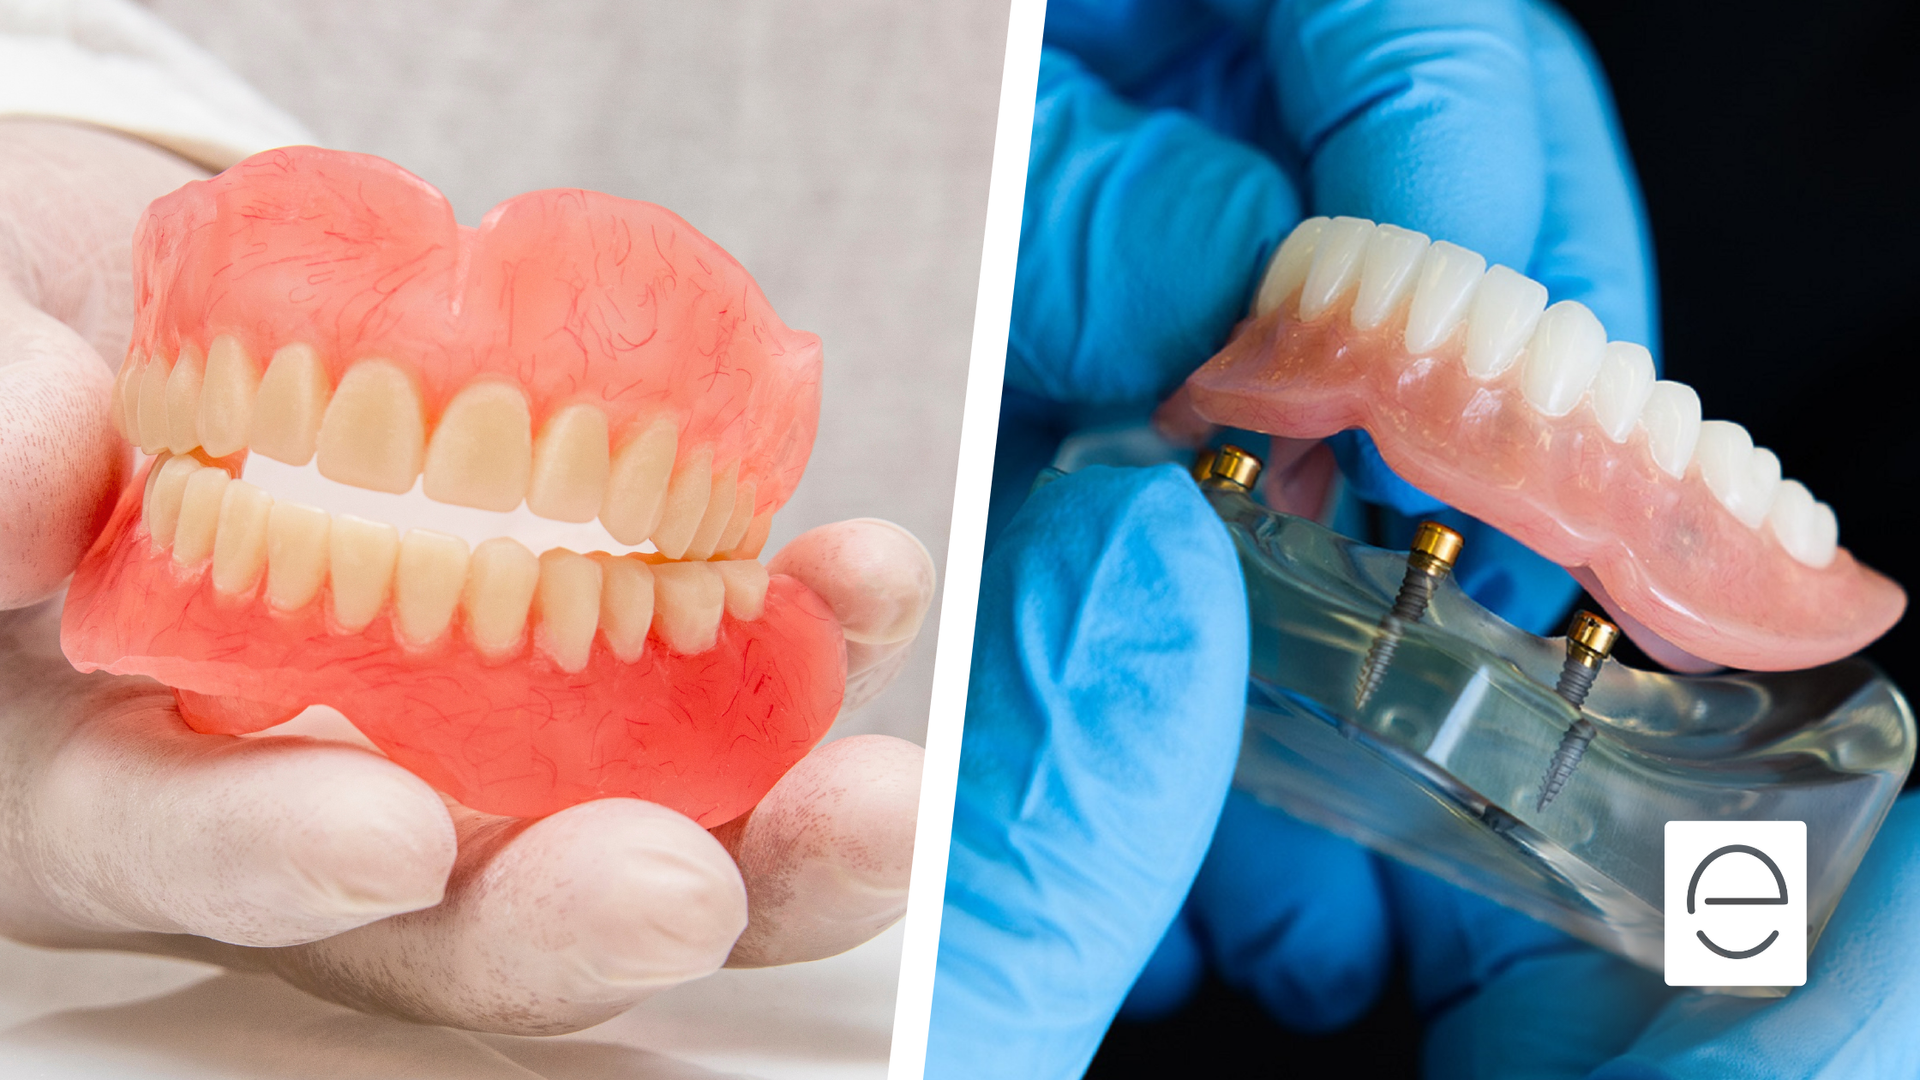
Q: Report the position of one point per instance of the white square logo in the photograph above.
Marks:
(1736, 903)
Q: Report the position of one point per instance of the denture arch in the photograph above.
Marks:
(1522, 413)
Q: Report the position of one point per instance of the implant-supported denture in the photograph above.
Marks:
(314, 327)
(1524, 415)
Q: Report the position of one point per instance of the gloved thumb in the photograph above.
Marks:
(1103, 721)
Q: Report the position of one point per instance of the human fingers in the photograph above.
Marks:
(826, 853)
(879, 579)
(114, 817)
(548, 925)
(1103, 720)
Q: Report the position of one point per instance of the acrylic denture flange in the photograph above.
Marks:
(1525, 416)
(591, 359)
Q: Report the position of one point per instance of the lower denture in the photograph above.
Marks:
(1665, 550)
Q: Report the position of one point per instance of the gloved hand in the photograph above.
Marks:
(319, 860)
(1174, 145)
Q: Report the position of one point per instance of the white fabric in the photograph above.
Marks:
(113, 64)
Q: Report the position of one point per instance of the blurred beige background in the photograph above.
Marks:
(839, 150)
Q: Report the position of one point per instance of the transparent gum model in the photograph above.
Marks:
(1441, 762)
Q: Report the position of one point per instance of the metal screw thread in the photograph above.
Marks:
(1576, 679)
(1416, 592)
(1573, 746)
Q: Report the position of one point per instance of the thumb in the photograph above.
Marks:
(1103, 720)
(61, 461)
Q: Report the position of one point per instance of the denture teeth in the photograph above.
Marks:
(637, 488)
(1740, 475)
(225, 412)
(427, 582)
(626, 605)
(745, 583)
(1621, 386)
(1336, 266)
(569, 603)
(1443, 291)
(1506, 308)
(199, 515)
(297, 541)
(755, 539)
(742, 518)
(292, 401)
(713, 524)
(501, 580)
(360, 559)
(240, 545)
(183, 401)
(570, 466)
(1805, 527)
(1562, 357)
(481, 453)
(688, 598)
(686, 503)
(1288, 268)
(1671, 418)
(117, 402)
(1386, 274)
(374, 434)
(164, 494)
(152, 408)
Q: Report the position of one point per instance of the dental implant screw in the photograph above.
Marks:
(1435, 549)
(1228, 466)
(1590, 639)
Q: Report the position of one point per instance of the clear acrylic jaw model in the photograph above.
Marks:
(1442, 766)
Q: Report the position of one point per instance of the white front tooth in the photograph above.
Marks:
(167, 487)
(240, 546)
(1443, 289)
(569, 604)
(1563, 356)
(1762, 483)
(626, 605)
(1742, 477)
(1671, 418)
(1386, 274)
(1288, 267)
(427, 583)
(199, 516)
(1824, 536)
(501, 578)
(183, 400)
(1336, 265)
(296, 554)
(226, 397)
(1506, 308)
(481, 452)
(360, 560)
(152, 408)
(1621, 386)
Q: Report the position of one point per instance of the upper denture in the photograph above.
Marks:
(1522, 414)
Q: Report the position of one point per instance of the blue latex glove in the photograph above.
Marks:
(1172, 145)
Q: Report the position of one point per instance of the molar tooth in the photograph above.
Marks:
(756, 538)
(1805, 527)
(569, 598)
(688, 599)
(637, 487)
(360, 555)
(1505, 310)
(1671, 418)
(168, 488)
(1443, 290)
(626, 605)
(183, 401)
(1288, 268)
(240, 546)
(427, 582)
(570, 465)
(1386, 275)
(736, 529)
(1336, 265)
(746, 587)
(226, 397)
(374, 433)
(501, 579)
(155, 433)
(288, 409)
(1563, 357)
(199, 516)
(1621, 386)
(713, 524)
(686, 503)
(482, 450)
(297, 541)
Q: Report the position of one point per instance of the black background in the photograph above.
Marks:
(1772, 142)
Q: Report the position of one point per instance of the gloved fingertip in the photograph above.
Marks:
(1171, 977)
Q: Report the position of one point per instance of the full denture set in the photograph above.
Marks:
(591, 359)
(1526, 416)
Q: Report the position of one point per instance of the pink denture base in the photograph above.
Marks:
(1665, 550)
